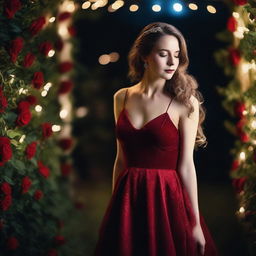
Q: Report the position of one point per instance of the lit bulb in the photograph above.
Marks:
(63, 113)
(38, 108)
(43, 93)
(242, 155)
(241, 209)
(51, 53)
(193, 6)
(22, 138)
(52, 19)
(56, 128)
(211, 9)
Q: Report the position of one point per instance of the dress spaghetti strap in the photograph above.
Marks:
(169, 104)
(126, 92)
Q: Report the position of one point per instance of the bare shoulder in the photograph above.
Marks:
(119, 96)
(184, 110)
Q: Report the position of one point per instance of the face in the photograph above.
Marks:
(164, 58)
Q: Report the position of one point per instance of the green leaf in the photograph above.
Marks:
(8, 179)
(13, 134)
(19, 165)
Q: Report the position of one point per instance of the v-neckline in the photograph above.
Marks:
(147, 123)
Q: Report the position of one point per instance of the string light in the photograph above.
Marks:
(52, 19)
(63, 113)
(236, 15)
(241, 209)
(86, 5)
(51, 53)
(104, 59)
(253, 109)
(177, 7)
(156, 8)
(192, 6)
(22, 138)
(23, 91)
(134, 8)
(38, 108)
(253, 124)
(48, 86)
(81, 112)
(211, 9)
(56, 128)
(43, 93)
(114, 56)
(12, 78)
(242, 155)
(70, 6)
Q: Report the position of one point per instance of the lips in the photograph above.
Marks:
(169, 70)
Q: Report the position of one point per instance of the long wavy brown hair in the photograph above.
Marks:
(182, 85)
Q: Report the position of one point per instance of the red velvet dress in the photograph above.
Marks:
(149, 213)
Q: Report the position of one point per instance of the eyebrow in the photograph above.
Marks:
(167, 50)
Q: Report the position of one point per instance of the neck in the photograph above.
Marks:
(151, 85)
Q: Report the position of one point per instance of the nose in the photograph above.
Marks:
(170, 60)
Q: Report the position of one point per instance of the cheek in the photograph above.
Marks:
(158, 62)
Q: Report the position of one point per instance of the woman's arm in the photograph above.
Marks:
(186, 168)
(118, 99)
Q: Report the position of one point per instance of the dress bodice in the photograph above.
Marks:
(155, 145)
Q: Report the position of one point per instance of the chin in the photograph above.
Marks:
(167, 76)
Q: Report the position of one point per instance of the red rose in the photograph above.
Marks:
(24, 114)
(64, 16)
(234, 56)
(66, 143)
(38, 194)
(12, 243)
(37, 25)
(72, 30)
(240, 125)
(232, 24)
(6, 202)
(23, 105)
(11, 7)
(65, 87)
(240, 2)
(6, 188)
(235, 165)
(28, 60)
(15, 47)
(45, 47)
(59, 240)
(243, 136)
(3, 101)
(5, 150)
(31, 149)
(59, 45)
(65, 66)
(238, 184)
(239, 108)
(66, 169)
(38, 79)
(31, 99)
(25, 184)
(43, 170)
(46, 130)
(52, 252)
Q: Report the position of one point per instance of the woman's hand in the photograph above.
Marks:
(199, 238)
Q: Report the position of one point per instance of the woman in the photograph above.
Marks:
(154, 210)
